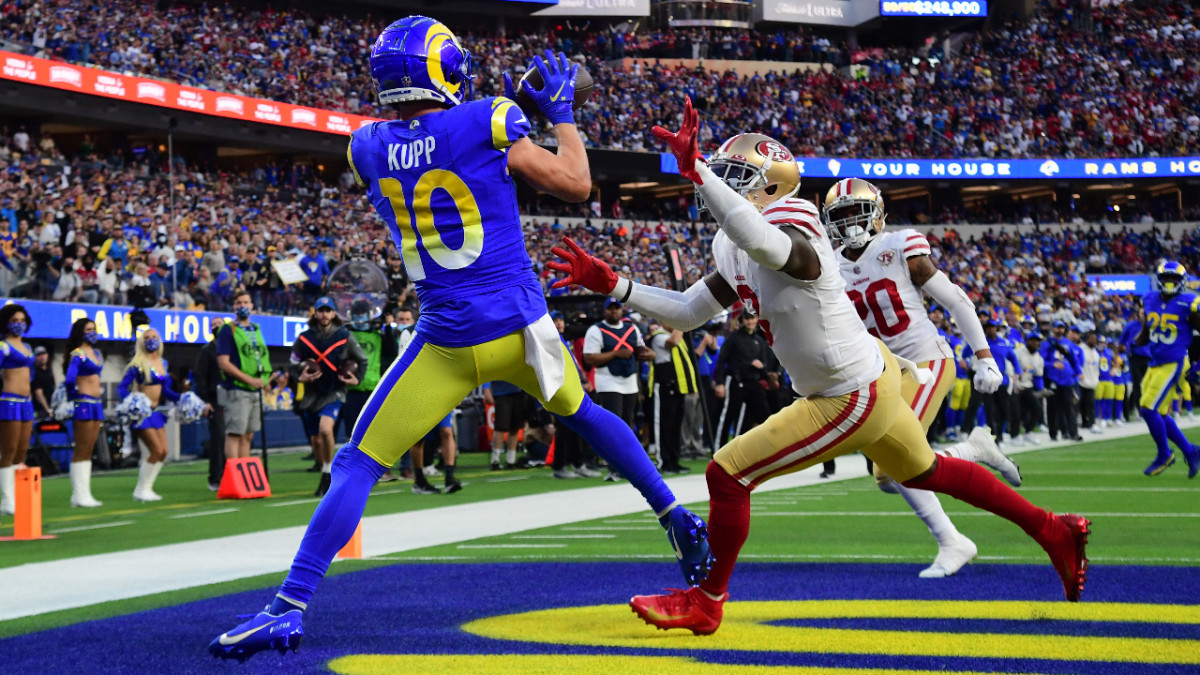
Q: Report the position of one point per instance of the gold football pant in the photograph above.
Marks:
(875, 419)
(428, 381)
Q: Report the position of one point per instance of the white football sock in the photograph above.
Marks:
(327, 467)
(927, 507)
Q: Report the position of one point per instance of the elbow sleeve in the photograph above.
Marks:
(685, 311)
(766, 244)
(947, 294)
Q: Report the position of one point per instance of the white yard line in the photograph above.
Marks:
(84, 528)
(197, 514)
(563, 536)
(307, 500)
(488, 546)
(615, 528)
(197, 563)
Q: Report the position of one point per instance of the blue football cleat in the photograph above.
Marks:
(1159, 465)
(689, 539)
(262, 632)
(1193, 461)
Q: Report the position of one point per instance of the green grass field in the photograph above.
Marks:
(1136, 520)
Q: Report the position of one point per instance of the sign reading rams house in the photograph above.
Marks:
(1130, 167)
(52, 321)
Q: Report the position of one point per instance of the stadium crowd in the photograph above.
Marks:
(96, 227)
(1072, 81)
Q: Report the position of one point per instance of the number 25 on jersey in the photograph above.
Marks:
(1164, 328)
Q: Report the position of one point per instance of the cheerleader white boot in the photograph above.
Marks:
(8, 489)
(81, 485)
(144, 492)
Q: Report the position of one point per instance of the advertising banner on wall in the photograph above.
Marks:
(1122, 284)
(975, 169)
(846, 13)
(52, 321)
(597, 8)
(84, 80)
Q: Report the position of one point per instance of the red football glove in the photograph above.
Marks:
(582, 269)
(683, 144)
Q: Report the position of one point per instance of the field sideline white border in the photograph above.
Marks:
(197, 563)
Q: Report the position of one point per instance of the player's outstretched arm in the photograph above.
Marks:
(687, 310)
(949, 295)
(779, 249)
(565, 175)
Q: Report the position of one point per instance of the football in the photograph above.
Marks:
(583, 90)
(347, 368)
(310, 367)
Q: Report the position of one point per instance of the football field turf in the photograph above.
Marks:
(829, 582)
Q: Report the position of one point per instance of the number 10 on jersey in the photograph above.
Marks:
(416, 224)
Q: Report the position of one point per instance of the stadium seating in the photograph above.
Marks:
(1114, 80)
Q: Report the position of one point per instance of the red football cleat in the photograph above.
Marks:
(691, 609)
(1066, 549)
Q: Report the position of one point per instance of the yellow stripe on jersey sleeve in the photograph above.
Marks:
(500, 108)
(350, 159)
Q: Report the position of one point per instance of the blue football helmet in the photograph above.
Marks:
(418, 59)
(1170, 277)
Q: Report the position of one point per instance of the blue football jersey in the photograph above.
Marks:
(1170, 333)
(959, 346)
(440, 181)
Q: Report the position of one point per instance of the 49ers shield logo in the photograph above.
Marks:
(773, 151)
(886, 258)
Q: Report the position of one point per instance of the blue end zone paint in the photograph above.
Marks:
(419, 608)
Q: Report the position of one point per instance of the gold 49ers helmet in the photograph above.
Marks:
(853, 212)
(758, 167)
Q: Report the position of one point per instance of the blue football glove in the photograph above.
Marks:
(557, 95)
(509, 92)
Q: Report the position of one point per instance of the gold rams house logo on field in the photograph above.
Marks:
(788, 630)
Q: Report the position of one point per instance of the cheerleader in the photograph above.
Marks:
(148, 373)
(82, 365)
(16, 406)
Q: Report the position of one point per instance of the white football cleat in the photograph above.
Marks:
(146, 496)
(1015, 440)
(951, 558)
(1030, 440)
(989, 454)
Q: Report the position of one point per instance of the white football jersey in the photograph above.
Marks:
(887, 300)
(811, 325)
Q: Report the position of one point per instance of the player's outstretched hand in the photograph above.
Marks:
(988, 377)
(582, 269)
(684, 144)
(557, 95)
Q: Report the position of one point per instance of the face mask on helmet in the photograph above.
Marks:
(1171, 284)
(851, 222)
(757, 167)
